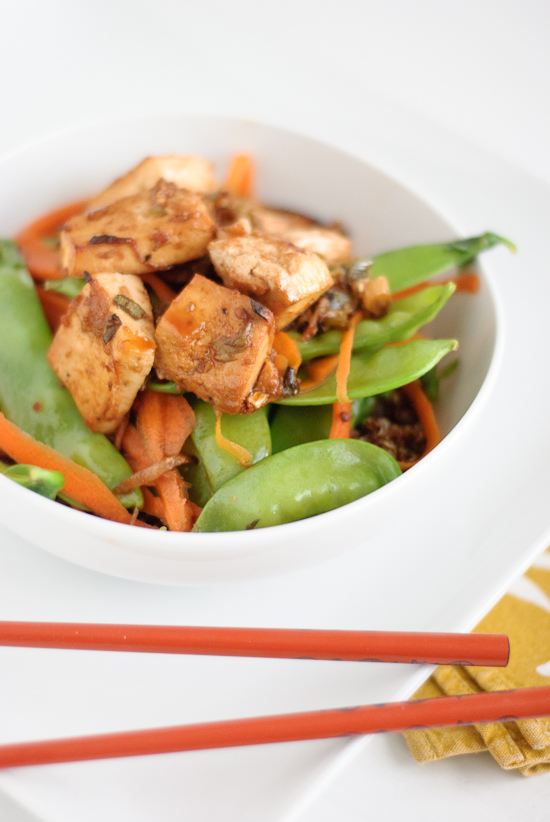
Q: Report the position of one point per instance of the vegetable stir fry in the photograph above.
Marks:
(176, 355)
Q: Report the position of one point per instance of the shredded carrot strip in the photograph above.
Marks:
(467, 282)
(43, 262)
(241, 454)
(177, 509)
(341, 421)
(119, 436)
(344, 360)
(318, 371)
(149, 423)
(178, 421)
(152, 505)
(416, 336)
(80, 483)
(408, 292)
(285, 345)
(423, 408)
(135, 449)
(153, 410)
(240, 177)
(54, 306)
(149, 475)
(161, 289)
(165, 420)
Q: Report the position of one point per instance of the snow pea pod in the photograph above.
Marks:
(382, 371)
(215, 466)
(293, 425)
(30, 393)
(403, 319)
(40, 480)
(298, 483)
(70, 287)
(408, 266)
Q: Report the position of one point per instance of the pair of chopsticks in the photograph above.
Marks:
(366, 646)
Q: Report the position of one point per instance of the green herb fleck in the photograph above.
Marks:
(129, 306)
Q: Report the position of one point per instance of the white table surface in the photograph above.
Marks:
(453, 99)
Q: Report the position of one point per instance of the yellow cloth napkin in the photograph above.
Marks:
(524, 614)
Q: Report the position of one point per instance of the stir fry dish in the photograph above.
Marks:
(176, 355)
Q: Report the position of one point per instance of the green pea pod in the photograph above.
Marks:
(31, 395)
(403, 320)
(167, 387)
(215, 466)
(406, 267)
(70, 287)
(40, 480)
(291, 425)
(295, 425)
(382, 371)
(298, 483)
(431, 381)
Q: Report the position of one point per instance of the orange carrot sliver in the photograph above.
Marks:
(178, 420)
(161, 289)
(54, 306)
(80, 483)
(318, 371)
(149, 423)
(42, 262)
(423, 408)
(166, 421)
(152, 505)
(135, 449)
(344, 360)
(177, 510)
(341, 421)
(240, 176)
(285, 345)
(241, 454)
(149, 475)
(467, 282)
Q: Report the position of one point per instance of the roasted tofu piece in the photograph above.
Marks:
(193, 173)
(329, 242)
(213, 341)
(152, 230)
(281, 276)
(105, 347)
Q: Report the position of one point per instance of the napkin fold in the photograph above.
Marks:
(524, 614)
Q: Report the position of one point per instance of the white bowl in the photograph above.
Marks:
(299, 174)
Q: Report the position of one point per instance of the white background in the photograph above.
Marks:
(478, 68)
(430, 89)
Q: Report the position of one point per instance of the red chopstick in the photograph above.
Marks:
(496, 706)
(359, 646)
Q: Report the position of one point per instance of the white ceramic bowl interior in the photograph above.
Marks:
(293, 172)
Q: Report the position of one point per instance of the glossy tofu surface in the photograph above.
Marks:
(152, 230)
(213, 341)
(105, 347)
(281, 276)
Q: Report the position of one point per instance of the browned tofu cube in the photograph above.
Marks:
(152, 230)
(283, 277)
(192, 173)
(329, 243)
(213, 341)
(105, 347)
